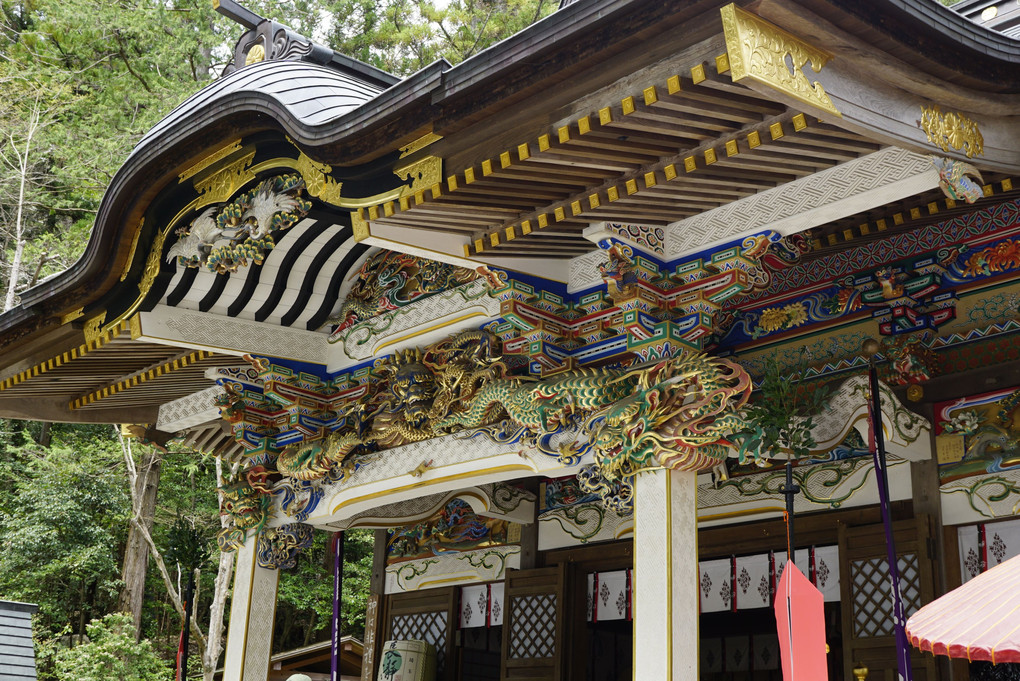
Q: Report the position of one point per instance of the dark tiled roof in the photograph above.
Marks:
(17, 655)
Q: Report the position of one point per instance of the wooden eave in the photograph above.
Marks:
(929, 37)
(513, 94)
(665, 151)
(109, 379)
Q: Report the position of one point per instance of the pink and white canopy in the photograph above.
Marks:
(977, 621)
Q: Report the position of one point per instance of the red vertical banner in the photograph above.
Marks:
(772, 577)
(800, 619)
(983, 548)
(630, 590)
(812, 574)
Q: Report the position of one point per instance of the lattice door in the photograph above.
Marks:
(868, 630)
(424, 616)
(424, 626)
(533, 622)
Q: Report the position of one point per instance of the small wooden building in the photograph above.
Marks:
(17, 650)
(509, 314)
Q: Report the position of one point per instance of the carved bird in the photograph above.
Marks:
(957, 179)
(264, 205)
(196, 244)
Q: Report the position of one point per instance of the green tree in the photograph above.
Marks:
(305, 596)
(59, 535)
(111, 653)
(780, 416)
(403, 36)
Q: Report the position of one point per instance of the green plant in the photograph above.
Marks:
(780, 416)
(111, 654)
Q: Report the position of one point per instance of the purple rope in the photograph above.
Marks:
(881, 472)
(338, 588)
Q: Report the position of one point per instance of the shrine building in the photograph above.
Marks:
(512, 315)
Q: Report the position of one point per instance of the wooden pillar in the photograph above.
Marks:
(374, 611)
(529, 531)
(665, 600)
(252, 613)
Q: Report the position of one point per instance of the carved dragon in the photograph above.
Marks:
(420, 389)
(679, 414)
(676, 414)
(389, 280)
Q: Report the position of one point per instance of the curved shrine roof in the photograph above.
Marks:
(309, 94)
(590, 57)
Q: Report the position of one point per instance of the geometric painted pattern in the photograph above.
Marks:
(533, 627)
(905, 245)
(779, 205)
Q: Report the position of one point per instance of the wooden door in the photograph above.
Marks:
(868, 633)
(533, 622)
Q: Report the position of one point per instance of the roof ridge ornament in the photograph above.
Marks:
(267, 40)
(771, 56)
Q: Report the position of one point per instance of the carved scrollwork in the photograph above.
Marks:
(278, 547)
(760, 51)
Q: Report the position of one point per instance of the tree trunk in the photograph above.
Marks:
(221, 589)
(24, 168)
(45, 436)
(311, 628)
(136, 553)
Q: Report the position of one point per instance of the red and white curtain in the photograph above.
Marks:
(985, 545)
(481, 605)
(609, 596)
(747, 582)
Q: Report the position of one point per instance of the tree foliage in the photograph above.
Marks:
(403, 36)
(780, 415)
(305, 596)
(81, 81)
(111, 653)
(64, 515)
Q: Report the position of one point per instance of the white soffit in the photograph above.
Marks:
(189, 411)
(888, 175)
(229, 335)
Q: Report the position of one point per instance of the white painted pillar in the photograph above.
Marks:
(665, 589)
(252, 611)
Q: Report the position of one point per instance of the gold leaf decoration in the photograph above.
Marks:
(317, 179)
(951, 130)
(224, 183)
(769, 55)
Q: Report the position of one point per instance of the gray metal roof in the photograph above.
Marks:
(17, 654)
(311, 94)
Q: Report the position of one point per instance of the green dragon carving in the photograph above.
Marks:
(676, 414)
(547, 406)
(246, 505)
(680, 415)
(314, 460)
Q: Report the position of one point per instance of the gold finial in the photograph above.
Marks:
(860, 672)
(870, 347)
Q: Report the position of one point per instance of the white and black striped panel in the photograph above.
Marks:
(297, 285)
